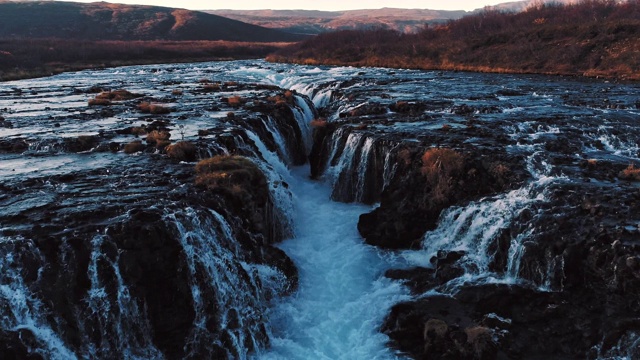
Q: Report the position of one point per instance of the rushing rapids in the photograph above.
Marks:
(507, 222)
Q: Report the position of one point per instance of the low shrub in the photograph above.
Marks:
(155, 109)
(176, 92)
(156, 135)
(231, 173)
(138, 130)
(318, 123)
(134, 147)
(211, 87)
(480, 342)
(81, 143)
(630, 173)
(440, 166)
(161, 144)
(182, 151)
(118, 95)
(236, 101)
(99, 102)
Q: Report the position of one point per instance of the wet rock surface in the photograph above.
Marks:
(111, 253)
(531, 248)
(512, 199)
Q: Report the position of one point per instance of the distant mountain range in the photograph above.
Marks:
(316, 22)
(105, 21)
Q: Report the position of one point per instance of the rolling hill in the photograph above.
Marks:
(106, 21)
(403, 20)
(316, 22)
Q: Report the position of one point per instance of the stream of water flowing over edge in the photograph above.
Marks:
(343, 294)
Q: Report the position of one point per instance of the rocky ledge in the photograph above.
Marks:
(156, 249)
(528, 227)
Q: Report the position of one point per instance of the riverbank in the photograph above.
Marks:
(34, 58)
(592, 39)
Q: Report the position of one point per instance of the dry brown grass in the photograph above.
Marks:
(440, 166)
(236, 101)
(480, 341)
(318, 123)
(630, 173)
(228, 172)
(157, 135)
(138, 130)
(99, 102)
(211, 87)
(182, 151)
(118, 95)
(155, 109)
(134, 147)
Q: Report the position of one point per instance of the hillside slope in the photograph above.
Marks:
(105, 21)
(316, 22)
(593, 38)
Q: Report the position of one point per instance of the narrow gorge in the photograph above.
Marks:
(248, 210)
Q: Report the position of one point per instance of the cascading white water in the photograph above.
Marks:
(627, 348)
(215, 257)
(347, 157)
(277, 136)
(365, 152)
(304, 115)
(343, 296)
(23, 310)
(474, 228)
(125, 329)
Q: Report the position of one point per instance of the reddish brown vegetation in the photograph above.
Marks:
(233, 174)
(630, 173)
(155, 136)
(155, 109)
(593, 38)
(99, 102)
(182, 151)
(134, 147)
(236, 101)
(43, 57)
(440, 167)
(318, 123)
(118, 95)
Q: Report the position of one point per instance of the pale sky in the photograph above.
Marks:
(315, 5)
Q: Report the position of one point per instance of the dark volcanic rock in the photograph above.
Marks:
(154, 266)
(412, 203)
(130, 256)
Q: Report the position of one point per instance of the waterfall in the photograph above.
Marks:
(276, 172)
(23, 312)
(216, 266)
(475, 228)
(305, 113)
(277, 136)
(343, 295)
(346, 165)
(123, 326)
(362, 169)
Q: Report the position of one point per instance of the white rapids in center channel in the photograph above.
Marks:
(343, 295)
